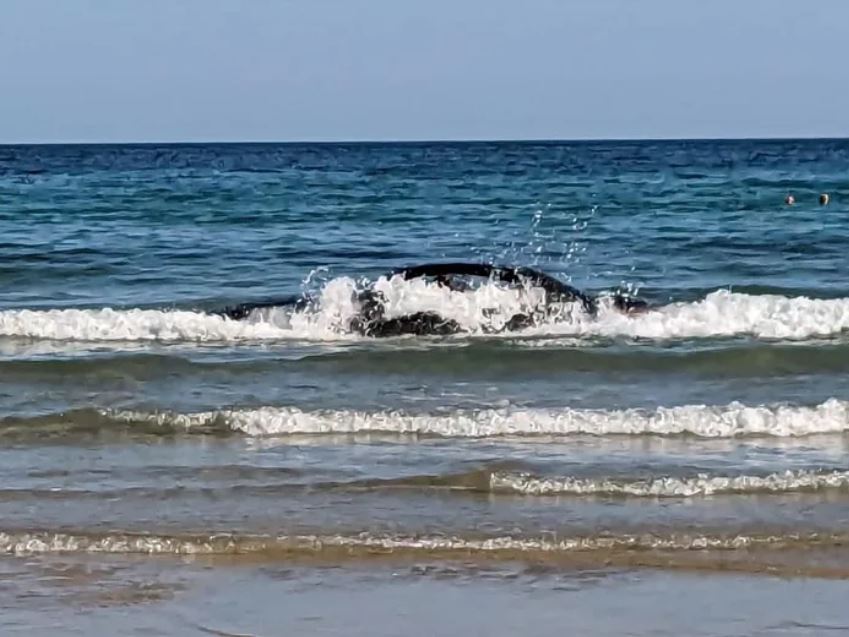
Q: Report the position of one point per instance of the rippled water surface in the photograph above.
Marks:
(708, 433)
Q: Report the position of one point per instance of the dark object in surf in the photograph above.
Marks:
(371, 319)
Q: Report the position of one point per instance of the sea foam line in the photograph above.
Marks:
(671, 487)
(34, 542)
(719, 314)
(732, 420)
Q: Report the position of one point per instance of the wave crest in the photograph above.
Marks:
(719, 314)
(671, 487)
(727, 421)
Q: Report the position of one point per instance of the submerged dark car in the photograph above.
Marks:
(371, 318)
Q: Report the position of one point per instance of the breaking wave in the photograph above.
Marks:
(727, 421)
(479, 311)
(287, 482)
(671, 487)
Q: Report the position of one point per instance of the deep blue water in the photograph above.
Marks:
(95, 225)
(179, 425)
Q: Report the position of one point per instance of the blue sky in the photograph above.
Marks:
(189, 70)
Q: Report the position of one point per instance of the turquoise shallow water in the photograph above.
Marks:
(708, 433)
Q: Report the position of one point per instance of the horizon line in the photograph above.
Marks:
(413, 141)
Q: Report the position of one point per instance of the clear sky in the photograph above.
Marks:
(277, 70)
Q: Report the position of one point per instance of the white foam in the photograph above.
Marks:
(27, 543)
(727, 421)
(486, 307)
(721, 314)
(130, 325)
(784, 482)
(328, 323)
(482, 310)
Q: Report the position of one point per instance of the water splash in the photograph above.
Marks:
(480, 311)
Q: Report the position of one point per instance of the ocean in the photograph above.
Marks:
(167, 470)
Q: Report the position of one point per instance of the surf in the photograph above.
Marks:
(479, 313)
